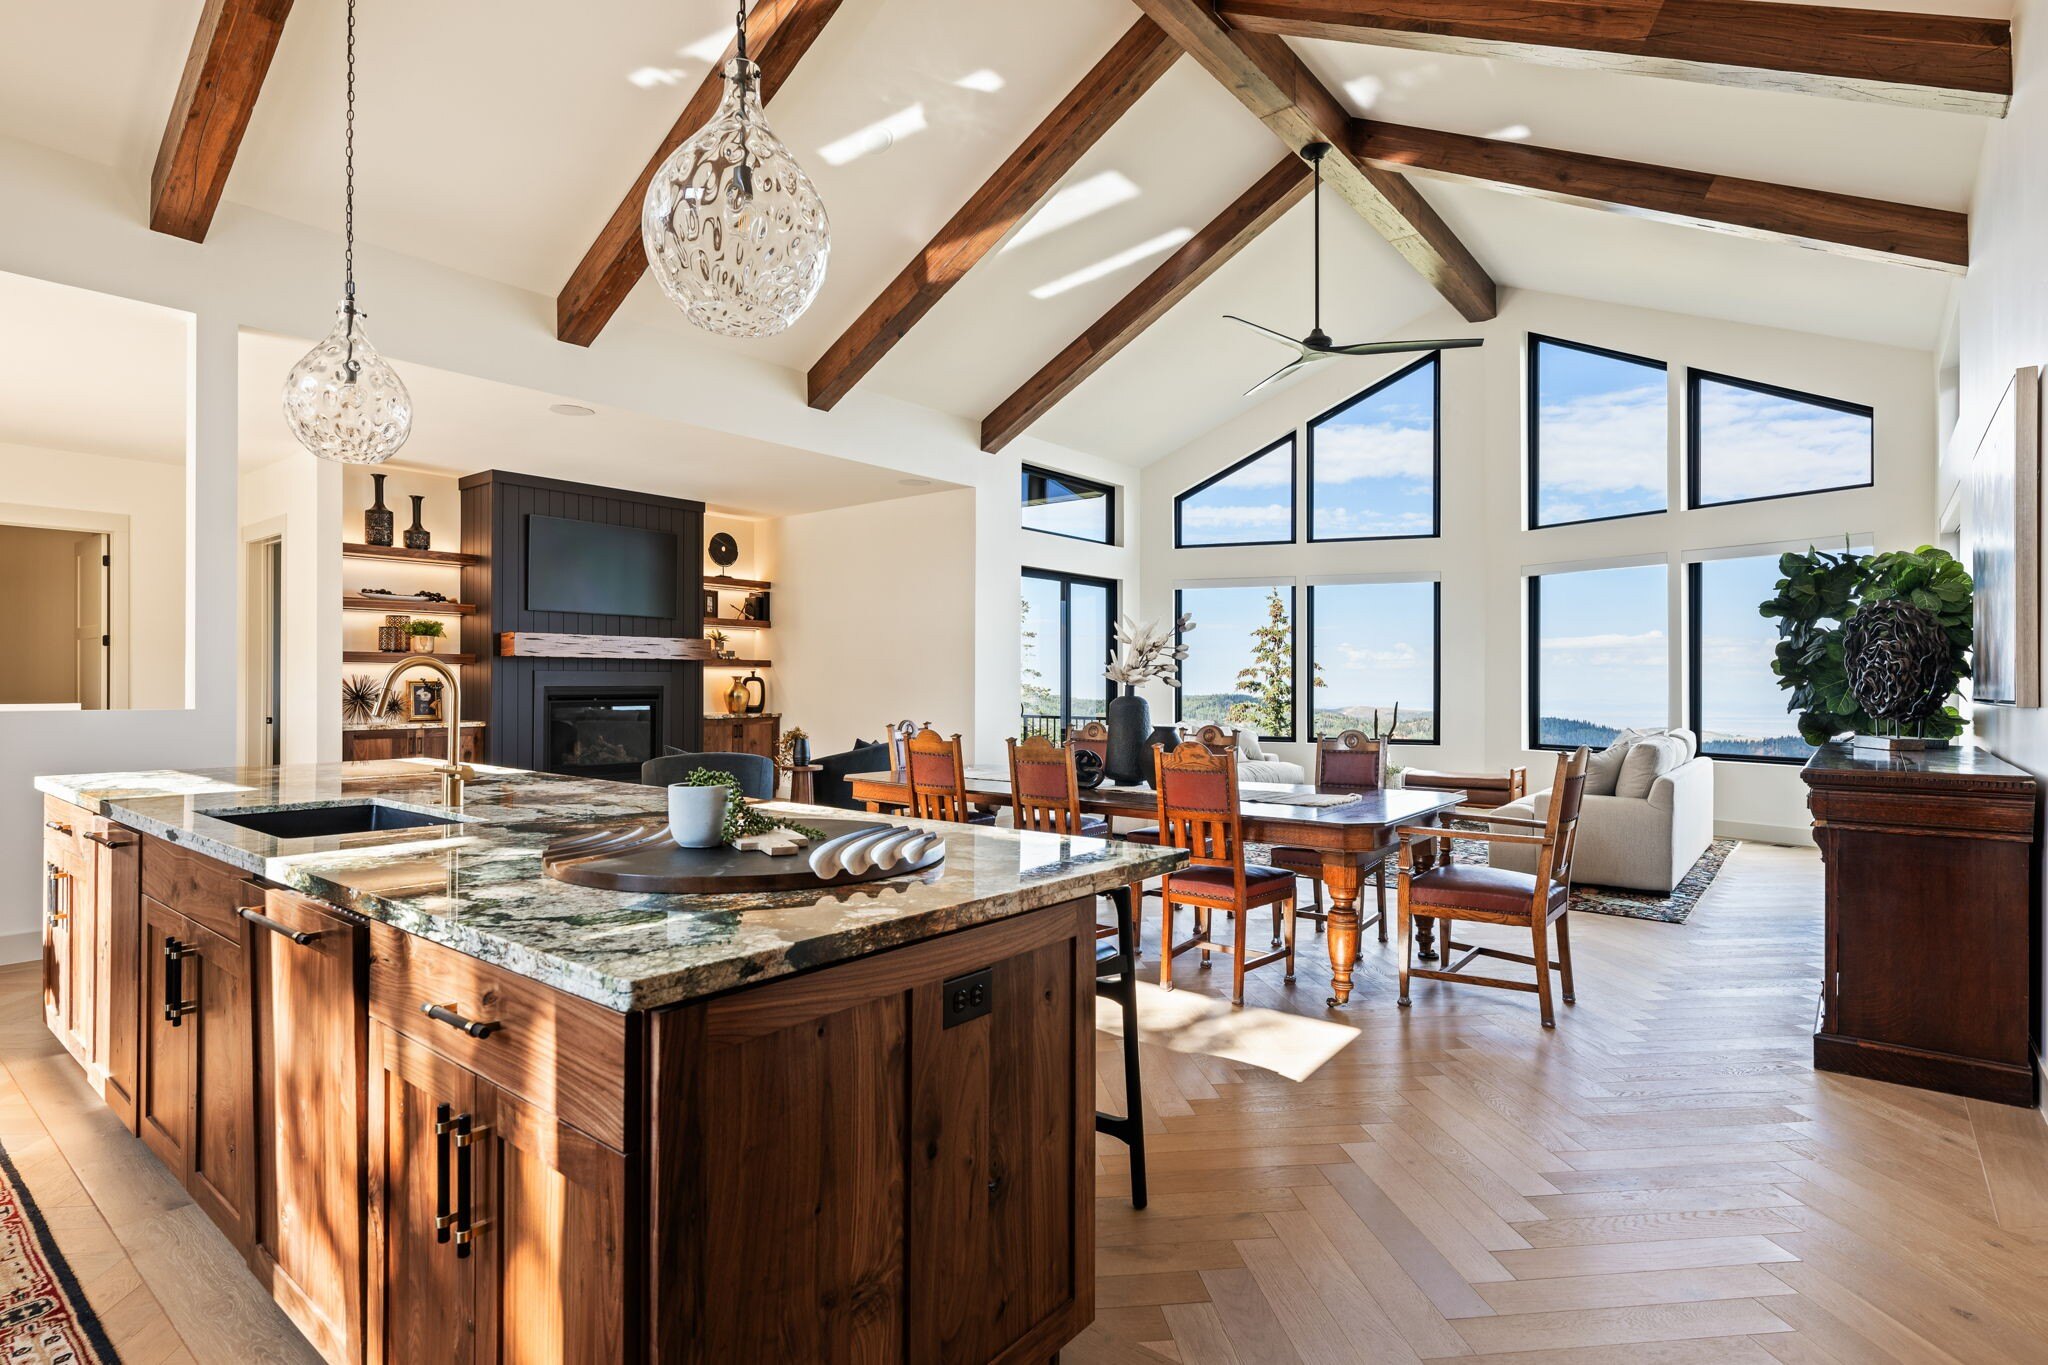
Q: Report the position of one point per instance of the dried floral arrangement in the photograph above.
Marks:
(1150, 652)
(359, 698)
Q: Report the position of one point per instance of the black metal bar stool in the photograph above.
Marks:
(1116, 978)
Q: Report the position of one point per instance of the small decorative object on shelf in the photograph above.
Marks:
(394, 636)
(359, 698)
(755, 608)
(377, 518)
(757, 693)
(1148, 653)
(425, 636)
(717, 638)
(723, 549)
(423, 700)
(736, 701)
(416, 535)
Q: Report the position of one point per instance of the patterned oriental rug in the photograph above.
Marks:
(44, 1318)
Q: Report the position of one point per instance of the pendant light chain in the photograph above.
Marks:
(1317, 214)
(739, 21)
(348, 193)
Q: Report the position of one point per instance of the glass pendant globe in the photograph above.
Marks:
(734, 229)
(343, 402)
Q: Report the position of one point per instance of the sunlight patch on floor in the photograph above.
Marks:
(1188, 1021)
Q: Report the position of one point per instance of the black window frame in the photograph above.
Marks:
(1534, 400)
(1068, 654)
(1692, 436)
(1293, 496)
(1533, 703)
(1695, 709)
(1436, 705)
(1436, 436)
(1293, 615)
(1029, 471)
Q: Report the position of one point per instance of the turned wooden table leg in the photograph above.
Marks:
(1342, 877)
(1427, 854)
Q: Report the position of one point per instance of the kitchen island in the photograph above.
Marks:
(451, 1109)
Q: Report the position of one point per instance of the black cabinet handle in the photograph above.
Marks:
(176, 1007)
(443, 1125)
(105, 840)
(475, 1028)
(465, 1138)
(254, 914)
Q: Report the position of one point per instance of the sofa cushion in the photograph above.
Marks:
(1603, 769)
(1648, 759)
(1475, 887)
(1269, 770)
(1248, 744)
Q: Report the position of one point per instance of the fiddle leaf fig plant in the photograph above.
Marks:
(1821, 591)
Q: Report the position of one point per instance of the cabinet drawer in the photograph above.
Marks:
(564, 1054)
(204, 891)
(64, 829)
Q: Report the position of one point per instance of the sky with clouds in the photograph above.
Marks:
(1602, 430)
(1376, 643)
(1762, 445)
(1603, 654)
(1250, 505)
(1374, 461)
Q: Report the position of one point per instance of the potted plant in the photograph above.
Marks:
(718, 645)
(1875, 645)
(425, 636)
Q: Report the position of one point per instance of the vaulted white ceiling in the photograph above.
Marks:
(496, 139)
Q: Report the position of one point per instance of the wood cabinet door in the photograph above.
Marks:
(311, 1051)
(81, 958)
(422, 1294)
(223, 1143)
(118, 901)
(548, 1217)
(164, 1085)
(59, 891)
(360, 747)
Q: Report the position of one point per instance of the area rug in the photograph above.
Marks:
(44, 1318)
(1675, 908)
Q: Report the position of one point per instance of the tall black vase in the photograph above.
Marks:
(417, 536)
(377, 521)
(1130, 726)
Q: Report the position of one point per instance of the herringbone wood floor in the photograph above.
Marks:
(1665, 1179)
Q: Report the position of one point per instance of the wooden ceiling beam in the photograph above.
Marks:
(224, 72)
(1201, 256)
(1844, 224)
(779, 33)
(1130, 68)
(1268, 79)
(1930, 61)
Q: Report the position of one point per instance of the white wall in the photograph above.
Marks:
(1485, 549)
(2002, 324)
(299, 501)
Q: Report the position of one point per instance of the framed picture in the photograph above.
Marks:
(710, 604)
(423, 700)
(2002, 526)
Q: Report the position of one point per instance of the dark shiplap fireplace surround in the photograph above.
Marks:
(511, 694)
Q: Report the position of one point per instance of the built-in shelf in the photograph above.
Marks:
(719, 582)
(734, 623)
(354, 601)
(737, 663)
(399, 552)
(372, 656)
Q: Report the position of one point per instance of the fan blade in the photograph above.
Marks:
(1397, 347)
(1281, 337)
(1289, 368)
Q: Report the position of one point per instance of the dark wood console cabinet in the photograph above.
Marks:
(1929, 911)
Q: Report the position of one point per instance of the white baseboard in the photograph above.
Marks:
(1799, 836)
(25, 947)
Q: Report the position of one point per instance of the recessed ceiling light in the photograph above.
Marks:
(571, 410)
(915, 483)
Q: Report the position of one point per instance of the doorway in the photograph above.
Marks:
(58, 653)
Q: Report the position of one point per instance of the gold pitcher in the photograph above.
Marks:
(736, 698)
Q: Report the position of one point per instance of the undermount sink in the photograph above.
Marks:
(312, 822)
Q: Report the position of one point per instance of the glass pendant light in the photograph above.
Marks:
(342, 400)
(734, 229)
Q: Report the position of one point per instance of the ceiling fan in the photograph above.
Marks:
(1317, 344)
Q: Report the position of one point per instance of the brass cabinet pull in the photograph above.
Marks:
(56, 891)
(59, 826)
(254, 914)
(445, 1014)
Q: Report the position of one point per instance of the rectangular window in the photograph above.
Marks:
(1062, 505)
(1372, 460)
(1598, 434)
(1240, 664)
(1067, 625)
(1599, 655)
(1751, 441)
(1373, 648)
(1250, 503)
(1738, 709)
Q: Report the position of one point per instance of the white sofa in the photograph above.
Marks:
(1648, 826)
(1254, 764)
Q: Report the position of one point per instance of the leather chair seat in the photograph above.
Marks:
(1306, 862)
(1492, 889)
(1261, 883)
(1144, 834)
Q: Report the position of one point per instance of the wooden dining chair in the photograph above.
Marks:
(937, 778)
(1491, 895)
(1198, 812)
(1091, 735)
(1217, 739)
(1045, 794)
(1345, 762)
(898, 733)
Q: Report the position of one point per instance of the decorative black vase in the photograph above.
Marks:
(377, 521)
(1130, 757)
(416, 536)
(800, 751)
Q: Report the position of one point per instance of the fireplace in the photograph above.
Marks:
(605, 733)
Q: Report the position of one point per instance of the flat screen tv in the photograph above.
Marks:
(584, 566)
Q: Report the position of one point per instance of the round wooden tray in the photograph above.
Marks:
(643, 858)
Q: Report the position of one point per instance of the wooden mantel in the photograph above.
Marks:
(531, 644)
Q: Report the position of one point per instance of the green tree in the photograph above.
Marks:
(1036, 698)
(1269, 677)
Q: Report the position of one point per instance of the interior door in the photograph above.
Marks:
(93, 571)
(422, 1292)
(164, 1102)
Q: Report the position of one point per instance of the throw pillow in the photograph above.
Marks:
(1603, 769)
(1648, 759)
(1248, 745)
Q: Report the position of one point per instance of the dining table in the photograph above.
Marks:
(1352, 835)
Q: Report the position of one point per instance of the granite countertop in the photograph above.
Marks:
(476, 885)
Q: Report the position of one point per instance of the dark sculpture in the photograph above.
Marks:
(1088, 772)
(1895, 656)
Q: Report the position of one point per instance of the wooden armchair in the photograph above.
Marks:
(1091, 735)
(1198, 811)
(1492, 895)
(1044, 793)
(1346, 762)
(938, 779)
